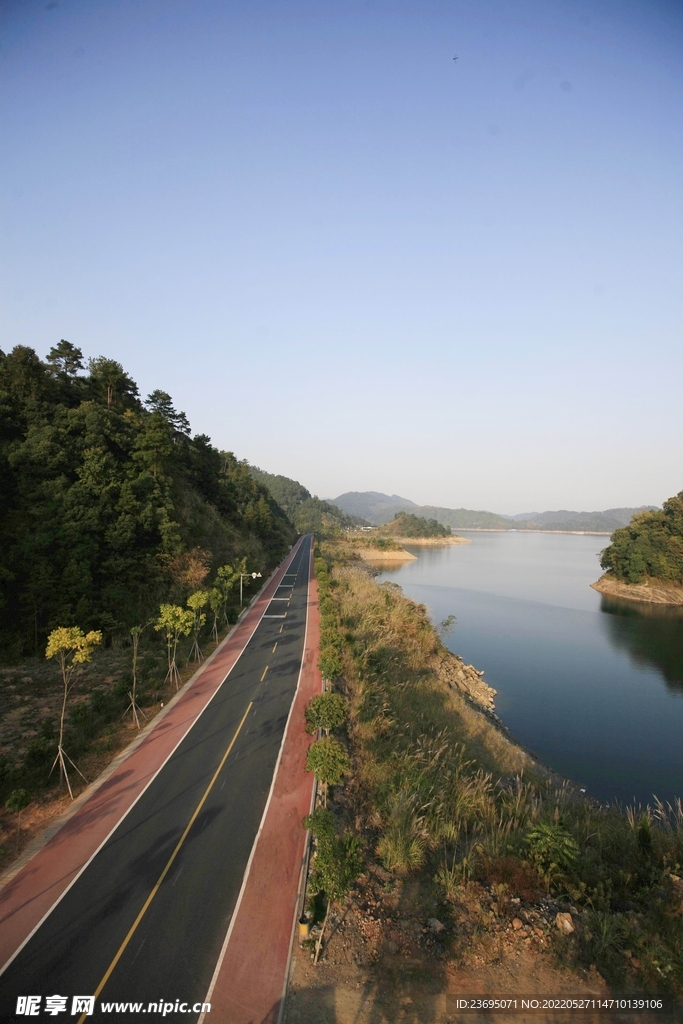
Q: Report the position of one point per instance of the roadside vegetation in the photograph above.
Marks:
(490, 843)
(650, 547)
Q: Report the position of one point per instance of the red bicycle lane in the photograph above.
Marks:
(28, 896)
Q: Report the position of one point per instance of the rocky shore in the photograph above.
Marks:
(652, 591)
(467, 679)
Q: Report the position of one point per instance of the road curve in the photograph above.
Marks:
(146, 919)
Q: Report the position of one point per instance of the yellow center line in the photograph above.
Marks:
(280, 629)
(173, 856)
(264, 673)
(273, 651)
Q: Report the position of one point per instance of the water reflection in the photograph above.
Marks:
(649, 633)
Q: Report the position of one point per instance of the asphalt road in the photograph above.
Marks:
(177, 936)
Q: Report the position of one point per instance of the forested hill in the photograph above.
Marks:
(108, 504)
(309, 514)
(651, 546)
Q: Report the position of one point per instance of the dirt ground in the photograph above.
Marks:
(31, 693)
(386, 961)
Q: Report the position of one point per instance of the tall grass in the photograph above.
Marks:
(437, 788)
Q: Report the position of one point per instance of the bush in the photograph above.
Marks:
(338, 860)
(17, 800)
(326, 711)
(328, 760)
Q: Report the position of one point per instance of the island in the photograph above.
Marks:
(386, 543)
(644, 561)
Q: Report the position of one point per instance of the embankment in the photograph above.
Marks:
(652, 591)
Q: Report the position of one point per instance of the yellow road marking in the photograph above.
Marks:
(264, 673)
(281, 627)
(163, 874)
(273, 651)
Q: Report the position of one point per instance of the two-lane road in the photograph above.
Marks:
(146, 919)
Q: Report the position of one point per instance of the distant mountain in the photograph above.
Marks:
(378, 508)
(375, 507)
(600, 522)
(464, 518)
(306, 511)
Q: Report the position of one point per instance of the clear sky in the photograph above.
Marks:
(351, 259)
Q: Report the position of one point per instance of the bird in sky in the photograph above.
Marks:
(455, 58)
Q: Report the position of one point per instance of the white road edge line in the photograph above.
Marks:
(300, 892)
(224, 949)
(90, 859)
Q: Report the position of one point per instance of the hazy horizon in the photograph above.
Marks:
(348, 257)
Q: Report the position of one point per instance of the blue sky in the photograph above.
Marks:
(351, 259)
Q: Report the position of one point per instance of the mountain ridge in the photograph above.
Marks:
(378, 508)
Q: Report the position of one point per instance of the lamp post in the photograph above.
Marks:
(246, 575)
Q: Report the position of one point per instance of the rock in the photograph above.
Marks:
(517, 924)
(564, 923)
(435, 925)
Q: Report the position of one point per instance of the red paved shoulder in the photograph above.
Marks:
(249, 982)
(31, 894)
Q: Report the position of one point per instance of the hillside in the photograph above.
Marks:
(109, 504)
(405, 524)
(598, 522)
(373, 506)
(309, 513)
(378, 509)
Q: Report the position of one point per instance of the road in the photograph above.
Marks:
(146, 919)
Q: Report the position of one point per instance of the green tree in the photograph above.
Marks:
(328, 760)
(197, 602)
(326, 711)
(174, 622)
(71, 647)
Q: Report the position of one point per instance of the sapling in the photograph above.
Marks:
(71, 646)
(173, 622)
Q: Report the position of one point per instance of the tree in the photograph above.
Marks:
(328, 761)
(216, 600)
(326, 711)
(162, 403)
(173, 622)
(196, 602)
(71, 646)
(65, 358)
(135, 633)
(226, 578)
(338, 862)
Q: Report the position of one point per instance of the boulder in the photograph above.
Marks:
(564, 923)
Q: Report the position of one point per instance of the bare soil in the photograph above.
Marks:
(31, 693)
(393, 955)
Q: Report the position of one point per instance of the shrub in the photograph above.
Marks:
(328, 760)
(326, 711)
(17, 800)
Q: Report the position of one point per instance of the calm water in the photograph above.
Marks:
(593, 687)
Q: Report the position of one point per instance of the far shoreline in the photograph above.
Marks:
(568, 533)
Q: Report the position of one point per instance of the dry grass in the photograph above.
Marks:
(440, 793)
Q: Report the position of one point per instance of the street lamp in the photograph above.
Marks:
(246, 575)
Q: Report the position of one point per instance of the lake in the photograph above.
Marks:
(592, 686)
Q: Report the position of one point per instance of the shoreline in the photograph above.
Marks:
(568, 533)
(640, 593)
(433, 542)
(382, 555)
